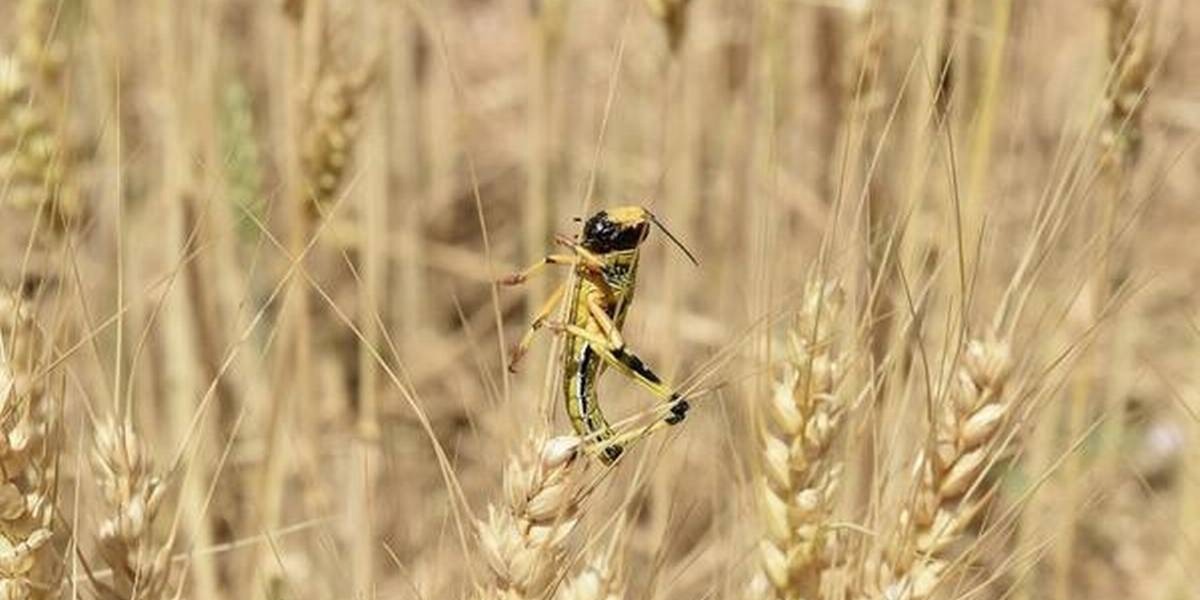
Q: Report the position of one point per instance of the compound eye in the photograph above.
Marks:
(597, 227)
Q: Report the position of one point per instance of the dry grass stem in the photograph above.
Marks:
(861, 77)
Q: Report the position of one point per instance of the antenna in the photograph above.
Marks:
(674, 239)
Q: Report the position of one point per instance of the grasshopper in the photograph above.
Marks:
(605, 261)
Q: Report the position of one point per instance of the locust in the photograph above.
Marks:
(604, 258)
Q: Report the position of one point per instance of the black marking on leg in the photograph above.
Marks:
(679, 410)
(636, 364)
(610, 454)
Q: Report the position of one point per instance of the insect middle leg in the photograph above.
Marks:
(584, 255)
(539, 320)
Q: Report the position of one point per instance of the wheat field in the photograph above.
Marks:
(940, 343)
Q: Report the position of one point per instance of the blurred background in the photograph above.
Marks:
(254, 348)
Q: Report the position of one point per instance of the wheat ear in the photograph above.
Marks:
(34, 163)
(328, 139)
(523, 539)
(38, 48)
(603, 577)
(29, 566)
(600, 579)
(1128, 53)
(133, 493)
(800, 475)
(951, 489)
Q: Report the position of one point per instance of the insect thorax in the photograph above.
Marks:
(620, 271)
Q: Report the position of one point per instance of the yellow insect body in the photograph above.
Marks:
(582, 362)
(605, 261)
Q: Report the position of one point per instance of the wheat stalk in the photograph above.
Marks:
(29, 567)
(523, 539)
(133, 493)
(800, 475)
(964, 443)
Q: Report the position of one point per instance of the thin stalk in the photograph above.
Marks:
(407, 158)
(183, 377)
(374, 192)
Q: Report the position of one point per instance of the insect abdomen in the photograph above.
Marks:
(583, 405)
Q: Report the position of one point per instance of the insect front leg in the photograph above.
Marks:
(584, 256)
(522, 276)
(539, 320)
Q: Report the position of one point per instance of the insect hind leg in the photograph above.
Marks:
(635, 364)
(611, 453)
(631, 365)
(679, 410)
(679, 406)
